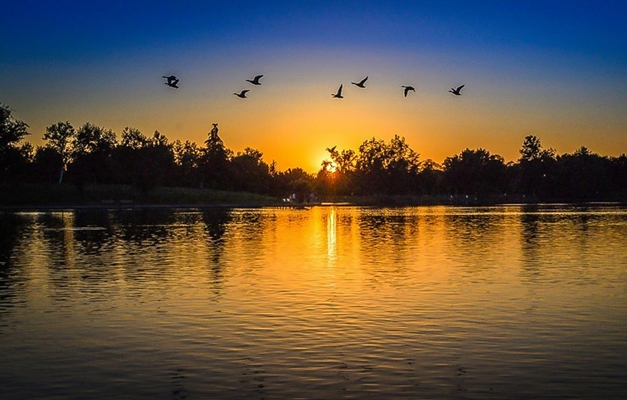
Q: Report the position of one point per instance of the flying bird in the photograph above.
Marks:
(242, 94)
(332, 149)
(360, 83)
(407, 89)
(457, 92)
(255, 80)
(171, 81)
(338, 95)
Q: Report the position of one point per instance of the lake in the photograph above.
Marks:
(327, 302)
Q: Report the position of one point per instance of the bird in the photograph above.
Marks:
(255, 80)
(332, 149)
(172, 81)
(242, 94)
(360, 83)
(457, 92)
(407, 89)
(338, 95)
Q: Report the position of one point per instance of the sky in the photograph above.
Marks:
(553, 69)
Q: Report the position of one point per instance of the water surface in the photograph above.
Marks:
(318, 303)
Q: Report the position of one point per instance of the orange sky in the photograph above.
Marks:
(554, 71)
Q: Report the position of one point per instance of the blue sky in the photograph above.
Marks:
(556, 69)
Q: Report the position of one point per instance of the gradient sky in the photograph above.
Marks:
(554, 69)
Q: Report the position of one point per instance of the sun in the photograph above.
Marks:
(331, 167)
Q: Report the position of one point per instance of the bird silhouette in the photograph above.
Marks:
(242, 94)
(332, 149)
(255, 80)
(338, 95)
(407, 89)
(361, 83)
(457, 92)
(172, 81)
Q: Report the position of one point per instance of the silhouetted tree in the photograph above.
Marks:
(12, 155)
(295, 181)
(370, 170)
(336, 176)
(535, 169)
(46, 164)
(402, 166)
(582, 175)
(133, 138)
(618, 176)
(126, 158)
(60, 137)
(386, 169)
(430, 177)
(475, 172)
(249, 172)
(92, 139)
(215, 161)
(187, 158)
(91, 154)
(156, 161)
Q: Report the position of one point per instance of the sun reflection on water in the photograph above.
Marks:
(332, 236)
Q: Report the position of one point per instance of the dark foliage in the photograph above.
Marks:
(93, 154)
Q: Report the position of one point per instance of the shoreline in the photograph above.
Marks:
(34, 197)
(147, 206)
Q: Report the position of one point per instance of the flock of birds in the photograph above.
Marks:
(173, 81)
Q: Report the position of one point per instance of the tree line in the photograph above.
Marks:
(92, 154)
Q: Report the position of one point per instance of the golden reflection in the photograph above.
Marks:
(332, 235)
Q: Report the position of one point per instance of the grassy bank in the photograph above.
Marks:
(55, 195)
(41, 196)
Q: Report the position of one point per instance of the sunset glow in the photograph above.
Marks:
(552, 69)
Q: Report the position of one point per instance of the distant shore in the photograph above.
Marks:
(93, 197)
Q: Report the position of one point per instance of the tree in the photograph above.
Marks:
(46, 164)
(531, 149)
(12, 156)
(475, 172)
(132, 138)
(249, 172)
(336, 176)
(155, 162)
(386, 168)
(60, 137)
(11, 129)
(187, 158)
(215, 161)
(91, 154)
(535, 168)
(295, 181)
(430, 177)
(94, 139)
(370, 167)
(582, 175)
(402, 165)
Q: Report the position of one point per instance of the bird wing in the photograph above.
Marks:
(460, 88)
(363, 81)
(258, 77)
(339, 91)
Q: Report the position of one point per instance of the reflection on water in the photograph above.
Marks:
(332, 235)
(327, 302)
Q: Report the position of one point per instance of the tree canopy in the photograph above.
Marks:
(93, 154)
